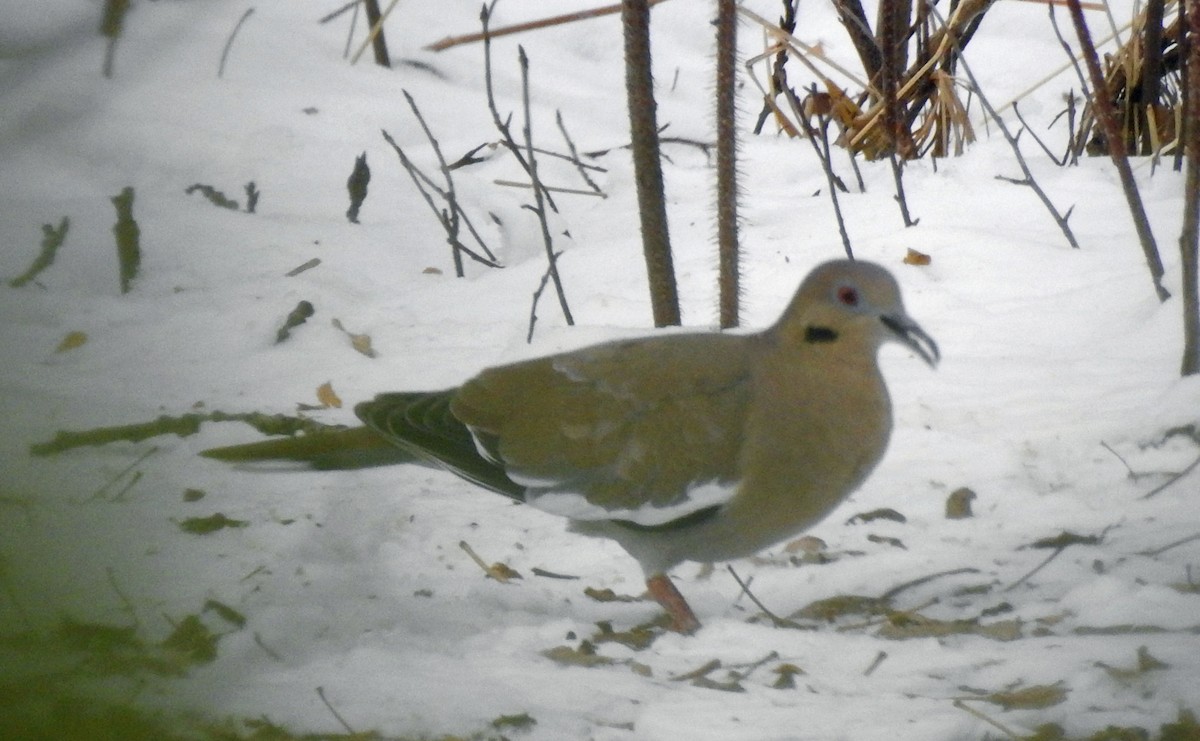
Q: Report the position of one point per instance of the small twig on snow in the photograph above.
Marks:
(778, 622)
(229, 42)
(557, 20)
(333, 710)
(574, 157)
(1191, 467)
(1061, 220)
(539, 194)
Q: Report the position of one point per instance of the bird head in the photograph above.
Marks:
(853, 301)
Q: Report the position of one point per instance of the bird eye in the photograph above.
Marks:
(847, 295)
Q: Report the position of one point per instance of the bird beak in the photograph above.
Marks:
(910, 334)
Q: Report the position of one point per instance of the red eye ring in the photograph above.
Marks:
(847, 295)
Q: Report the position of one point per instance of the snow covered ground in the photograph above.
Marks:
(1056, 362)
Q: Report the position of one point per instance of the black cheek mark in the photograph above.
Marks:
(819, 334)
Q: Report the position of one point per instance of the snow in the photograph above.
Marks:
(354, 582)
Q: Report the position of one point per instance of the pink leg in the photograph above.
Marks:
(683, 620)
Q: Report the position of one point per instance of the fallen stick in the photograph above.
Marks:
(558, 20)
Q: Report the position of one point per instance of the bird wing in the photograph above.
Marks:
(421, 422)
(643, 430)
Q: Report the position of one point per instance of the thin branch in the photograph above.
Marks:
(549, 188)
(778, 622)
(1037, 138)
(539, 192)
(537, 296)
(449, 219)
(333, 710)
(1059, 219)
(557, 20)
(574, 158)
(1191, 467)
(1103, 109)
(229, 42)
(1173, 544)
(375, 37)
(823, 154)
(331, 16)
(501, 125)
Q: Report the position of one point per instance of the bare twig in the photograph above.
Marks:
(229, 42)
(334, 712)
(557, 20)
(574, 157)
(1191, 467)
(986, 719)
(502, 125)
(539, 194)
(778, 622)
(549, 188)
(375, 37)
(335, 14)
(879, 659)
(1174, 544)
(1036, 138)
(1061, 220)
(898, 177)
(823, 154)
(452, 216)
(537, 295)
(1103, 110)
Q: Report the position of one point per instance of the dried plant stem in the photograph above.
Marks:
(647, 163)
(452, 217)
(557, 20)
(1060, 219)
(502, 125)
(1103, 109)
(229, 42)
(778, 622)
(823, 154)
(375, 37)
(1189, 235)
(1191, 467)
(580, 167)
(539, 196)
(728, 251)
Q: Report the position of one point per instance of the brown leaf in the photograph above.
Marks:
(1030, 698)
(916, 258)
(71, 341)
(581, 656)
(327, 396)
(958, 504)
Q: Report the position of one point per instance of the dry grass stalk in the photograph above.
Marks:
(926, 97)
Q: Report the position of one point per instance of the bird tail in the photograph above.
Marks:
(333, 449)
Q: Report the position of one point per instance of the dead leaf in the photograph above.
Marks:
(210, 524)
(608, 595)
(638, 638)
(916, 258)
(1145, 663)
(958, 504)
(360, 342)
(584, 656)
(907, 625)
(1030, 698)
(327, 396)
(832, 608)
(71, 341)
(808, 544)
(884, 513)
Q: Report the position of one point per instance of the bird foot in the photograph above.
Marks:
(683, 620)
